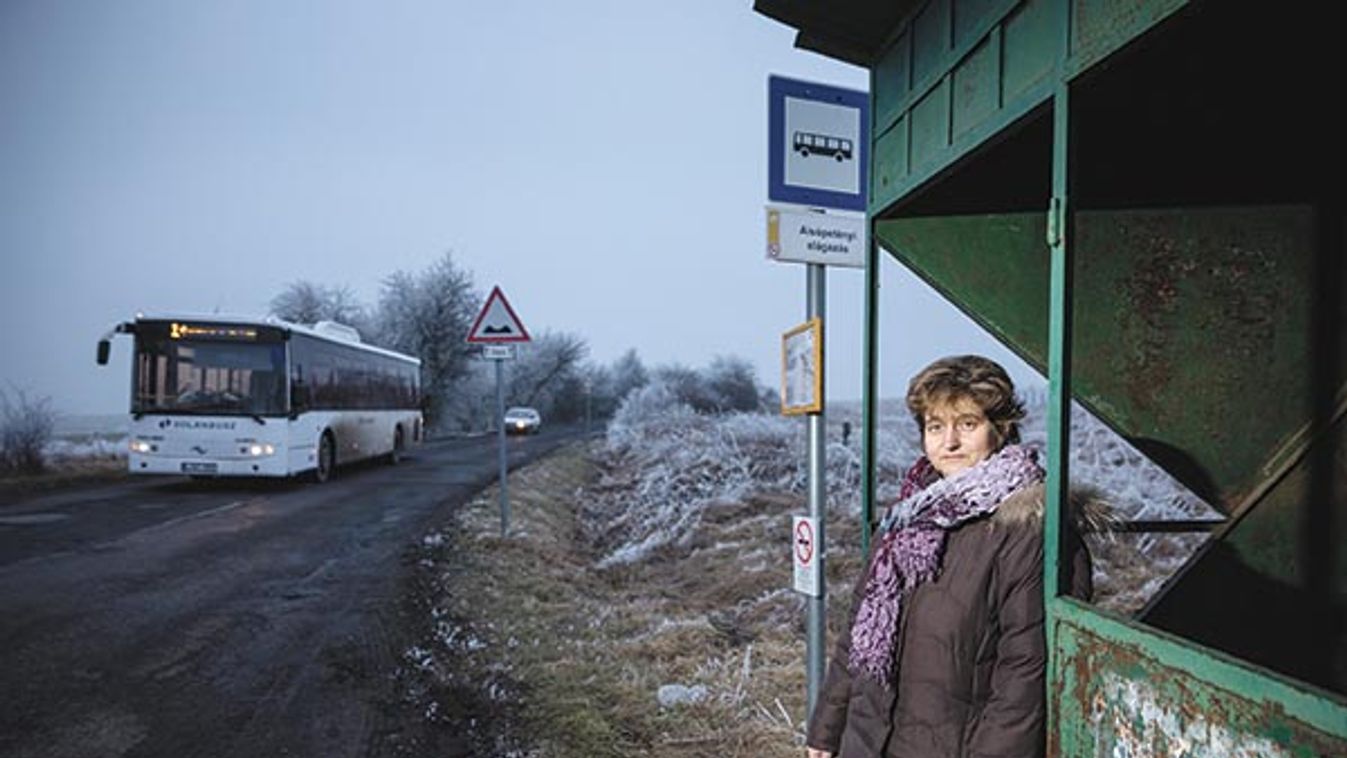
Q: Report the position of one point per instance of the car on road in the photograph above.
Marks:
(522, 420)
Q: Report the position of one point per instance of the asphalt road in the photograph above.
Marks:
(165, 617)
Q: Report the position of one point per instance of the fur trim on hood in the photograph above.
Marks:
(1090, 511)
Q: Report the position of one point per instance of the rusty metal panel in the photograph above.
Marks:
(977, 84)
(1192, 336)
(1296, 532)
(1031, 46)
(1271, 587)
(1100, 27)
(1120, 689)
(1180, 316)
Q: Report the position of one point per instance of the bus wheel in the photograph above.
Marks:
(326, 458)
(395, 455)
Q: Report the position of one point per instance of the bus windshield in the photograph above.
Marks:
(177, 375)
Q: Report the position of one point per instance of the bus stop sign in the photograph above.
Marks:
(818, 139)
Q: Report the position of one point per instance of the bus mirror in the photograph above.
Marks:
(104, 347)
(299, 398)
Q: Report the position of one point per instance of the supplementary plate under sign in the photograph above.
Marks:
(804, 235)
(498, 352)
(804, 554)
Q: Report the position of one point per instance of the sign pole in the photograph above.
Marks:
(500, 436)
(496, 328)
(818, 152)
(816, 279)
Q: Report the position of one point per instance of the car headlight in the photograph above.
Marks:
(141, 446)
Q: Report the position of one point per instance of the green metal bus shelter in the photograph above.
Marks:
(1144, 200)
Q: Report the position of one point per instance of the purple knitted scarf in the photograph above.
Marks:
(912, 545)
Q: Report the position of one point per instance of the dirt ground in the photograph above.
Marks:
(528, 649)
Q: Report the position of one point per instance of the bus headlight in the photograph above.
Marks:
(140, 446)
(257, 450)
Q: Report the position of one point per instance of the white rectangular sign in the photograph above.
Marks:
(804, 554)
(804, 235)
(498, 352)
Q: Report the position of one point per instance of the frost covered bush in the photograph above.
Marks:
(25, 428)
(727, 385)
(664, 465)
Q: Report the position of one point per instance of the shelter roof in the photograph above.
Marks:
(852, 31)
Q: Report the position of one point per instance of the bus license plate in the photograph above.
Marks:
(199, 468)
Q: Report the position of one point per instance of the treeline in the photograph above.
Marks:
(428, 314)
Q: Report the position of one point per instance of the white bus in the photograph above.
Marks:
(225, 396)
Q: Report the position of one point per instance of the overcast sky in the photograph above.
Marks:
(603, 162)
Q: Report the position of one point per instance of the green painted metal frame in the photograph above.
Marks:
(1275, 715)
(981, 40)
(869, 391)
(1294, 714)
(1297, 717)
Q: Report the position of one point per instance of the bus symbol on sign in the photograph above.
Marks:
(807, 144)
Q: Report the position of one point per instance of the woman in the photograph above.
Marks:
(945, 653)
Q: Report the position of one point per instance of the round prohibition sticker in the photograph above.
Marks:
(804, 542)
(806, 556)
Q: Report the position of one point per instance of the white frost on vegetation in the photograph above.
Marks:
(664, 465)
(87, 437)
(671, 695)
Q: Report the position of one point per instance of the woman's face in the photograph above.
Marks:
(957, 435)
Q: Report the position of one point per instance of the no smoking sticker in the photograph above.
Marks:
(804, 551)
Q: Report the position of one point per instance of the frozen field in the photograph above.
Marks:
(88, 436)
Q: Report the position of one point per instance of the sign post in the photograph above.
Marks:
(496, 328)
(818, 139)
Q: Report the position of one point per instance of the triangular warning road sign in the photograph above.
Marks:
(497, 322)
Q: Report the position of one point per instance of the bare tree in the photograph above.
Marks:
(304, 302)
(600, 398)
(25, 428)
(543, 366)
(734, 384)
(628, 374)
(428, 314)
(689, 387)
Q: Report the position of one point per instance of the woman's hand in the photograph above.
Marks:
(816, 753)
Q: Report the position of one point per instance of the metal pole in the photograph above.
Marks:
(500, 436)
(817, 620)
(869, 394)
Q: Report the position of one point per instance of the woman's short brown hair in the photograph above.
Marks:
(972, 376)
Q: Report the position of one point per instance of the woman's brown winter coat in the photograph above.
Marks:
(971, 651)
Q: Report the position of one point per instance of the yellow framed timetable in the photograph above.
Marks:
(802, 369)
